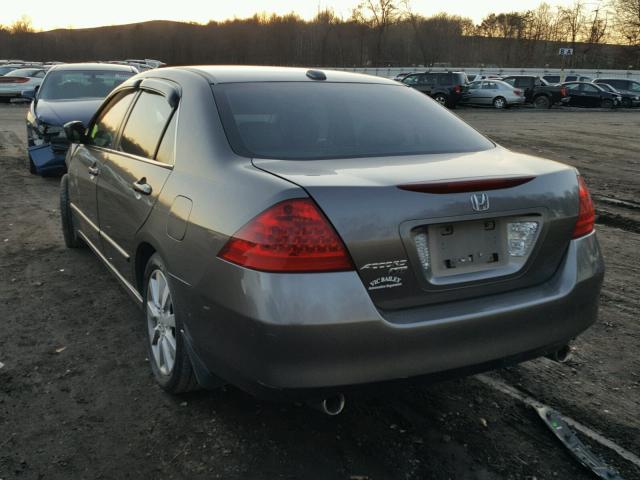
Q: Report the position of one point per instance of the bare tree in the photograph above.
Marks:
(380, 14)
(22, 25)
(415, 21)
(574, 19)
(627, 19)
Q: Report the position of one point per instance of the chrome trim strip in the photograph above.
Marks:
(113, 243)
(133, 157)
(130, 289)
(142, 159)
(84, 217)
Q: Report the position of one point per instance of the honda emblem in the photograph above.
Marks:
(480, 202)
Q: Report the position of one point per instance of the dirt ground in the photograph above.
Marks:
(77, 399)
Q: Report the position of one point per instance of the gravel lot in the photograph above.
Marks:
(77, 399)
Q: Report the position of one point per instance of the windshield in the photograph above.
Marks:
(73, 84)
(305, 120)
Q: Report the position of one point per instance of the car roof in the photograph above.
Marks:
(240, 74)
(94, 66)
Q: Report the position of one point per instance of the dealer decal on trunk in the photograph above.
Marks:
(390, 281)
(393, 268)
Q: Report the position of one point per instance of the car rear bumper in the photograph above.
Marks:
(298, 335)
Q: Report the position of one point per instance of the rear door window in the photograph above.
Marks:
(443, 78)
(104, 131)
(146, 124)
(429, 79)
(617, 84)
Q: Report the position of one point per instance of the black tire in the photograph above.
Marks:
(181, 378)
(541, 102)
(500, 103)
(626, 103)
(607, 103)
(441, 98)
(71, 238)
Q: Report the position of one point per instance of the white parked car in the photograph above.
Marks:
(15, 82)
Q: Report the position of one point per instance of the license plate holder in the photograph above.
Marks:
(465, 247)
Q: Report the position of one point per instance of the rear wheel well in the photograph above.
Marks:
(143, 254)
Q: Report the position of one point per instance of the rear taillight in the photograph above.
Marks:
(457, 88)
(291, 236)
(517, 92)
(563, 92)
(586, 212)
(14, 79)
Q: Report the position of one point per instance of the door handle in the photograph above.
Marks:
(93, 170)
(142, 186)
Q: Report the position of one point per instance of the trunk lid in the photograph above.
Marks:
(388, 229)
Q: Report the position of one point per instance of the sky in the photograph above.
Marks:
(50, 14)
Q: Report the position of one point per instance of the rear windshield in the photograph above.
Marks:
(71, 84)
(310, 121)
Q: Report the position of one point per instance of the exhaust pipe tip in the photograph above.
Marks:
(331, 406)
(562, 355)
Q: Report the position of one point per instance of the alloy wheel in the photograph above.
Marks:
(161, 322)
(499, 102)
(441, 99)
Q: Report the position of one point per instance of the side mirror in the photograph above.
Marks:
(75, 131)
(30, 94)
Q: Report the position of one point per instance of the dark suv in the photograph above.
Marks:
(444, 87)
(630, 90)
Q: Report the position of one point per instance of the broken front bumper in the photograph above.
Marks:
(48, 159)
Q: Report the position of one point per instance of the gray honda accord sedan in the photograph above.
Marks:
(297, 232)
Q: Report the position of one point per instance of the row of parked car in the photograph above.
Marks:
(17, 76)
(453, 88)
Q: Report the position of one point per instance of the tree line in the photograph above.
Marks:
(377, 33)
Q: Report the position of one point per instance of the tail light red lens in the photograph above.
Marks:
(517, 92)
(563, 91)
(586, 213)
(14, 79)
(291, 236)
(457, 88)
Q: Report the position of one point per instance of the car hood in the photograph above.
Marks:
(59, 112)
